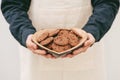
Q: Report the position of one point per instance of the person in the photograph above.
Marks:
(86, 63)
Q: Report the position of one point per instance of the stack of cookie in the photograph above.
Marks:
(59, 40)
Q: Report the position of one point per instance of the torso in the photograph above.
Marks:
(62, 14)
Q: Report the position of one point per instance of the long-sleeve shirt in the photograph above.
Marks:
(15, 12)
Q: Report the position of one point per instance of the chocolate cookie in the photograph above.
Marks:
(46, 41)
(73, 39)
(61, 40)
(58, 48)
(63, 32)
(49, 46)
(53, 33)
(43, 36)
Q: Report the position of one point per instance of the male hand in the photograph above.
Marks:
(34, 48)
(88, 43)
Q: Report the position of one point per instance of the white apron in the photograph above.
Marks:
(62, 14)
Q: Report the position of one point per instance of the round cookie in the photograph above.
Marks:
(53, 33)
(49, 46)
(73, 39)
(63, 32)
(42, 36)
(61, 40)
(58, 48)
(46, 41)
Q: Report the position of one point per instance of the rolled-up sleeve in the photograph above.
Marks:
(15, 12)
(104, 13)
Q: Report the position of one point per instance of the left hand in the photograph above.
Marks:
(88, 43)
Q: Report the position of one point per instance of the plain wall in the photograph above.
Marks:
(112, 48)
(9, 56)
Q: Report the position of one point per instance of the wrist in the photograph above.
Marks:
(25, 35)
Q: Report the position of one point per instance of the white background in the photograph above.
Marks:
(9, 56)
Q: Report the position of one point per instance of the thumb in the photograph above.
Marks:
(33, 45)
(90, 40)
(87, 43)
(30, 44)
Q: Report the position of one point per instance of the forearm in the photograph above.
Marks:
(15, 12)
(104, 13)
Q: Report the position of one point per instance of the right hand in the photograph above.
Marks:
(34, 48)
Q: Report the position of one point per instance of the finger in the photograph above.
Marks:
(87, 43)
(68, 55)
(41, 52)
(53, 57)
(49, 55)
(78, 51)
(64, 56)
(44, 55)
(33, 46)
